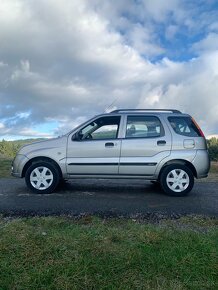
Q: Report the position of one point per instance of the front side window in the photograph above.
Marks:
(143, 127)
(101, 128)
(184, 126)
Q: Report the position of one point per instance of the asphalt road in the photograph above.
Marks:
(127, 197)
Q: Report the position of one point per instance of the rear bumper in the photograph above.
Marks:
(201, 163)
(202, 176)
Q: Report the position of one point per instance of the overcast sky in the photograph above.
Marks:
(63, 61)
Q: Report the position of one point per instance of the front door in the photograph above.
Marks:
(95, 148)
(145, 144)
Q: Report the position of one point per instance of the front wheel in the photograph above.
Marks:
(176, 180)
(42, 177)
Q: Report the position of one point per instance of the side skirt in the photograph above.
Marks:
(111, 176)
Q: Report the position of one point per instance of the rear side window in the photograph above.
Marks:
(184, 126)
(143, 127)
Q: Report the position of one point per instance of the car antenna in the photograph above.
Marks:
(111, 105)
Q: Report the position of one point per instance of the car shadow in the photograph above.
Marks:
(109, 186)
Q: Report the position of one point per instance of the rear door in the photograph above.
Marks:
(147, 140)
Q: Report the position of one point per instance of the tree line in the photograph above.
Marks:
(10, 148)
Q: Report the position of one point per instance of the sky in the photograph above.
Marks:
(63, 61)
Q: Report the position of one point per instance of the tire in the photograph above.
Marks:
(177, 180)
(42, 177)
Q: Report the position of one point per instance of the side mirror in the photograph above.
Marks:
(77, 136)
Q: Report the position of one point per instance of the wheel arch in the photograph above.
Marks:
(181, 162)
(38, 159)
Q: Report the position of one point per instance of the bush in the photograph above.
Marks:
(10, 148)
(213, 148)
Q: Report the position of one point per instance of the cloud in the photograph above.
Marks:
(141, 40)
(32, 133)
(159, 10)
(65, 61)
(2, 64)
(207, 44)
(171, 31)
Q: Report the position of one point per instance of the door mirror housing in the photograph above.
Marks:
(77, 136)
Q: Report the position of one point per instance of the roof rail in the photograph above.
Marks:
(146, 110)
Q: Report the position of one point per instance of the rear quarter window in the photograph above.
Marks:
(184, 126)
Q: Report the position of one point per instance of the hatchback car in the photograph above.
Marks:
(164, 146)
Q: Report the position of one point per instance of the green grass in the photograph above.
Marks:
(91, 253)
(5, 167)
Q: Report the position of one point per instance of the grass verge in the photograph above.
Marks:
(91, 253)
(5, 167)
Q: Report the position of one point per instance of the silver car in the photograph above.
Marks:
(164, 146)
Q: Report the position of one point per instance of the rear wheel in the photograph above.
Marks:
(177, 180)
(42, 177)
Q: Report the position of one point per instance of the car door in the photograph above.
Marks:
(95, 148)
(146, 142)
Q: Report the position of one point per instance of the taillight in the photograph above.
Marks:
(199, 129)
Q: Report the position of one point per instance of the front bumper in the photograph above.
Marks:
(15, 174)
(18, 164)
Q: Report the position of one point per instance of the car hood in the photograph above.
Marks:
(45, 145)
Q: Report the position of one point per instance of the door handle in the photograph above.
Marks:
(109, 144)
(161, 142)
